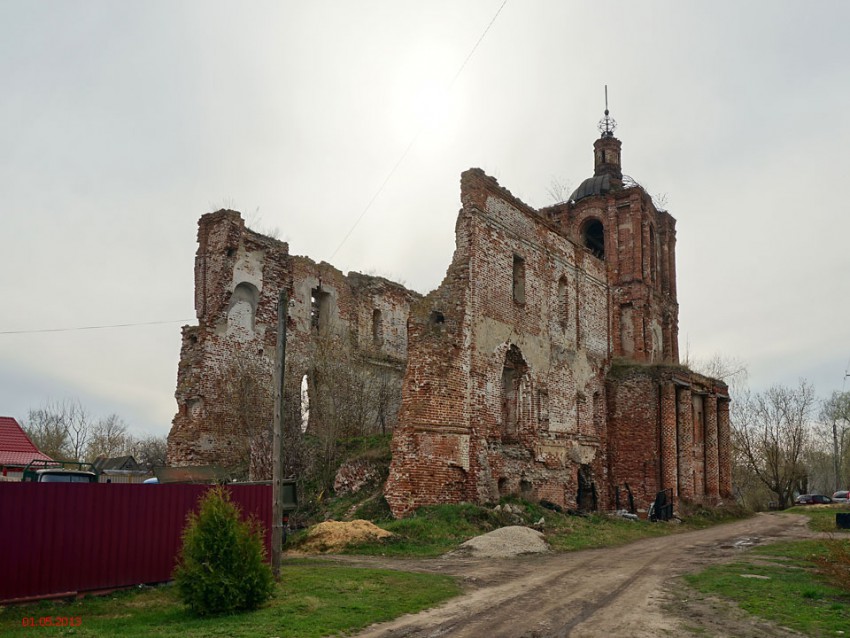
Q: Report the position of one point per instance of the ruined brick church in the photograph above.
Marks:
(545, 365)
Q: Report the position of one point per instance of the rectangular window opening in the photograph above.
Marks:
(519, 280)
(319, 310)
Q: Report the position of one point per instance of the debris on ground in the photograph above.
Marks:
(510, 508)
(503, 542)
(332, 536)
(627, 515)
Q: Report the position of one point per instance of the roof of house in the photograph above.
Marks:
(15, 446)
(191, 474)
(103, 463)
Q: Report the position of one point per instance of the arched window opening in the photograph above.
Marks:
(512, 373)
(305, 403)
(593, 237)
(377, 328)
(242, 309)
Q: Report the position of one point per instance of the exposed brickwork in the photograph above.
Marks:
(712, 472)
(724, 452)
(519, 386)
(239, 275)
(544, 365)
(685, 442)
(643, 398)
(354, 475)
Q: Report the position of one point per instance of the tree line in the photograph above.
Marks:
(65, 430)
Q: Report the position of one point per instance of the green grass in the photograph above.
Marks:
(314, 599)
(821, 519)
(437, 529)
(793, 593)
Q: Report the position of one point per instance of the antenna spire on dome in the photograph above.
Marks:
(607, 125)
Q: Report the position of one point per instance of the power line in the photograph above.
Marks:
(415, 137)
(114, 325)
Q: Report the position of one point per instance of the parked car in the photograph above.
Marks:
(812, 499)
(841, 496)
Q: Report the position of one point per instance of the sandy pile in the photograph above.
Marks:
(502, 542)
(335, 535)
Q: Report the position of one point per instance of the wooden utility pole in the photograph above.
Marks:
(277, 460)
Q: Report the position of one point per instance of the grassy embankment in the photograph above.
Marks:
(434, 530)
(804, 585)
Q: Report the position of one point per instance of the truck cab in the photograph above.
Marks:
(59, 472)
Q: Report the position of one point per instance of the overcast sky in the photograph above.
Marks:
(121, 123)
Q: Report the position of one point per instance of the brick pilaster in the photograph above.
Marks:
(712, 477)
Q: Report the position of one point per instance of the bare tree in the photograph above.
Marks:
(731, 370)
(108, 438)
(771, 432)
(60, 429)
(835, 414)
(148, 451)
(559, 190)
(78, 423)
(48, 433)
(386, 391)
(248, 388)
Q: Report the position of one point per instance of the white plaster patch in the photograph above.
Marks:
(249, 267)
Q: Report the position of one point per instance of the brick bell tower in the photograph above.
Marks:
(616, 221)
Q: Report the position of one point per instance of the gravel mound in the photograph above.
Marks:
(503, 542)
(331, 536)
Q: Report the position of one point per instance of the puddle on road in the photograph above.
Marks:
(745, 542)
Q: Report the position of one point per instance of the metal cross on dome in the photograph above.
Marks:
(607, 125)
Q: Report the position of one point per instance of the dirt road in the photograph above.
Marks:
(629, 591)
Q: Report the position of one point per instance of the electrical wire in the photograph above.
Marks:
(415, 137)
(114, 325)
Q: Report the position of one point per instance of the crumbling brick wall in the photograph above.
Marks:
(657, 426)
(544, 365)
(509, 387)
(504, 386)
(239, 275)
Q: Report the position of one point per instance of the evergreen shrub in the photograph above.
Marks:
(222, 566)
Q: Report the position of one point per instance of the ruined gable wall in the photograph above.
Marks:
(238, 277)
(452, 444)
(238, 274)
(561, 330)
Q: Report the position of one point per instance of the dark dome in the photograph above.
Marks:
(599, 185)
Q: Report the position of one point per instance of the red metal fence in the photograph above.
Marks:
(66, 538)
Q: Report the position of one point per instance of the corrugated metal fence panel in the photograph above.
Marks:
(75, 537)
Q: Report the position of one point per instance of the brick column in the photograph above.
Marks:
(669, 467)
(724, 448)
(685, 429)
(712, 478)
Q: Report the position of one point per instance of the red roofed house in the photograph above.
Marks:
(16, 449)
